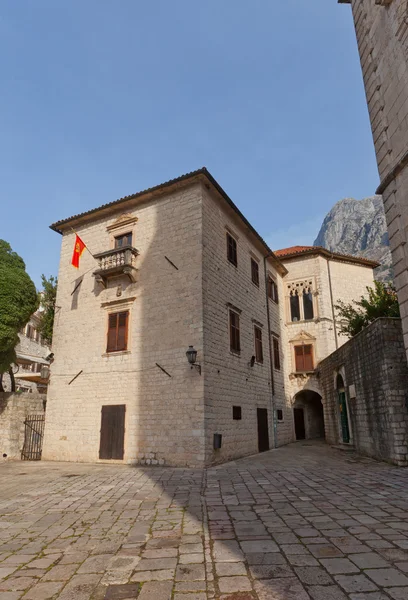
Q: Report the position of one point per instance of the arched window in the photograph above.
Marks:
(308, 304)
(294, 306)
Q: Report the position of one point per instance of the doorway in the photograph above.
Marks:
(344, 418)
(112, 432)
(300, 430)
(263, 430)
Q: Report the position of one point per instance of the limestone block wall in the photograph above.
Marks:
(382, 36)
(229, 379)
(164, 422)
(14, 408)
(374, 363)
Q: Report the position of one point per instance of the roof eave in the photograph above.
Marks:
(365, 262)
(64, 224)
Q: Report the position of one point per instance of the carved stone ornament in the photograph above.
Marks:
(123, 221)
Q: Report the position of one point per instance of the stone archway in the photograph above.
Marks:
(308, 416)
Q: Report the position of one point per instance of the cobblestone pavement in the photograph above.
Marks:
(298, 523)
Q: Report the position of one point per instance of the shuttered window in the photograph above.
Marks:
(276, 354)
(123, 240)
(117, 331)
(273, 290)
(232, 253)
(258, 344)
(235, 343)
(304, 358)
(255, 272)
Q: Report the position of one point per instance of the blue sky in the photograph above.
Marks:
(100, 99)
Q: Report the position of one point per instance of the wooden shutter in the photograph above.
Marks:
(112, 326)
(255, 272)
(112, 432)
(121, 343)
(232, 250)
(276, 355)
(308, 357)
(258, 345)
(299, 358)
(117, 331)
(234, 332)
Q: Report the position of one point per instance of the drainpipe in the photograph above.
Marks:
(332, 305)
(275, 426)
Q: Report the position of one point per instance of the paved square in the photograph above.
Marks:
(298, 523)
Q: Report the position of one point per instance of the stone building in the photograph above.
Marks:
(382, 35)
(174, 266)
(171, 267)
(365, 393)
(316, 280)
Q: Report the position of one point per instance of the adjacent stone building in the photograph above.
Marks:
(315, 281)
(33, 358)
(382, 35)
(365, 393)
(174, 266)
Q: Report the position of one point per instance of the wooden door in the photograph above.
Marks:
(112, 432)
(299, 423)
(263, 432)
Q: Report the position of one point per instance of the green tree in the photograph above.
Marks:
(18, 301)
(381, 301)
(48, 296)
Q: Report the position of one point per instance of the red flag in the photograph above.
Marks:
(78, 249)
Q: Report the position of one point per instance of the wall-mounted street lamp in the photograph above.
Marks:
(192, 357)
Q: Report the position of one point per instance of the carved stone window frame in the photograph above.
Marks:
(124, 224)
(299, 285)
(302, 339)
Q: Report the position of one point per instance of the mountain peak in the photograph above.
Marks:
(358, 227)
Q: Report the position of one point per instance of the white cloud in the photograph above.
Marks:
(297, 234)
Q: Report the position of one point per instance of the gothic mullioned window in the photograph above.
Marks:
(301, 302)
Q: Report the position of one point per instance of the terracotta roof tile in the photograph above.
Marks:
(293, 251)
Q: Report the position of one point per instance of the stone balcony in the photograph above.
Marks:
(116, 262)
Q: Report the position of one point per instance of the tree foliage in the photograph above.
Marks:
(18, 301)
(48, 296)
(381, 301)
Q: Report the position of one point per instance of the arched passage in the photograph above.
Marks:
(308, 416)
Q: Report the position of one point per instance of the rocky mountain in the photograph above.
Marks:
(358, 227)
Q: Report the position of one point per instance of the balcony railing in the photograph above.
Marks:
(112, 263)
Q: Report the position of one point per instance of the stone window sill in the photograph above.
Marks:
(120, 353)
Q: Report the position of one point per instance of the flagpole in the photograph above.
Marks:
(83, 242)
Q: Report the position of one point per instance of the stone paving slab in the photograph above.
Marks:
(304, 522)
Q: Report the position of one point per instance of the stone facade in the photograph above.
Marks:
(382, 35)
(181, 297)
(331, 278)
(14, 408)
(373, 368)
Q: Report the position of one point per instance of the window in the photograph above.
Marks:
(236, 413)
(232, 250)
(255, 272)
(273, 290)
(117, 331)
(235, 345)
(123, 240)
(279, 414)
(258, 344)
(294, 306)
(276, 355)
(304, 358)
(308, 304)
